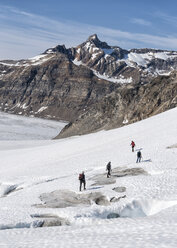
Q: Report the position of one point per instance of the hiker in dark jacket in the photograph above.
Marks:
(108, 168)
(82, 180)
(139, 156)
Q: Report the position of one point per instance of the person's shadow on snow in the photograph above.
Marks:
(147, 160)
(93, 188)
(139, 149)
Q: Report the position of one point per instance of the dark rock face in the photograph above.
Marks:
(55, 89)
(126, 105)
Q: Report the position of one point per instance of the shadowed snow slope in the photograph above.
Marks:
(30, 169)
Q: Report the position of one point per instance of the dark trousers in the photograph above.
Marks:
(109, 173)
(132, 148)
(82, 182)
(138, 159)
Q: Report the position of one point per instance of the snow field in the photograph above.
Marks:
(14, 127)
(149, 211)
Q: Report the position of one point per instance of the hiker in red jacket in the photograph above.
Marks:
(132, 145)
(82, 180)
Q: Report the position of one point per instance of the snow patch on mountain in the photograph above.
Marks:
(144, 58)
(50, 51)
(42, 109)
(120, 79)
(139, 59)
(37, 60)
(77, 62)
(162, 72)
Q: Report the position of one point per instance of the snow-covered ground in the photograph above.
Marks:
(13, 127)
(148, 213)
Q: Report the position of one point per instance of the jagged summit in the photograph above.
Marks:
(92, 40)
(95, 40)
(93, 37)
(116, 64)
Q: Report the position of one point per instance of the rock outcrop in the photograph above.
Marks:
(119, 189)
(48, 220)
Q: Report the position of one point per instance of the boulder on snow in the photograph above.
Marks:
(66, 198)
(119, 189)
(6, 189)
(102, 200)
(47, 220)
(113, 216)
(173, 146)
(116, 199)
(54, 222)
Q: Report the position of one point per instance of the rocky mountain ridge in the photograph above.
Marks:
(92, 86)
(50, 87)
(119, 65)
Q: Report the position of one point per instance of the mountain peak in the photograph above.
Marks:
(95, 40)
(93, 37)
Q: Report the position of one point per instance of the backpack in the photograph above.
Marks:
(80, 176)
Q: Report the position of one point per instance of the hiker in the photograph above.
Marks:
(132, 145)
(108, 168)
(139, 156)
(82, 180)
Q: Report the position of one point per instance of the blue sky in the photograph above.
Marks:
(27, 28)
